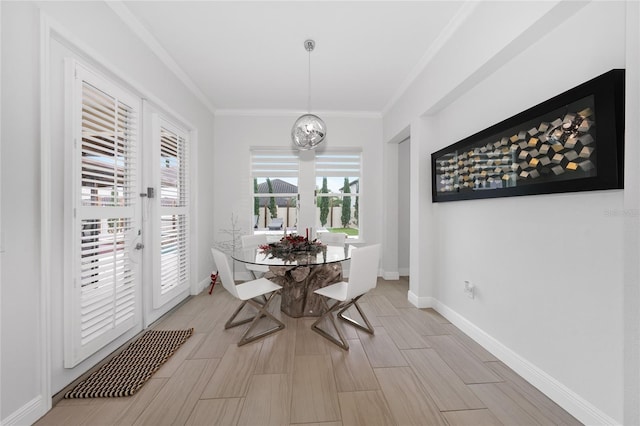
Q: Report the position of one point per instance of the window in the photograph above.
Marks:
(334, 179)
(338, 192)
(171, 254)
(275, 190)
(102, 294)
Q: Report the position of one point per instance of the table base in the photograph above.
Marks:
(298, 285)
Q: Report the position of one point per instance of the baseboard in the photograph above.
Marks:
(390, 275)
(28, 414)
(420, 302)
(559, 393)
(403, 272)
(202, 285)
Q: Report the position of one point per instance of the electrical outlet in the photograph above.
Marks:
(469, 289)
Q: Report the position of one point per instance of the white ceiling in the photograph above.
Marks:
(241, 55)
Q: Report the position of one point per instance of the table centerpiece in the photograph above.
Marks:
(291, 247)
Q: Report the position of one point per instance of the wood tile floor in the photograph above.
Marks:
(418, 369)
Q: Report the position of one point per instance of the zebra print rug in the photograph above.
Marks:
(125, 374)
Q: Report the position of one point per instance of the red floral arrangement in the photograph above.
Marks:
(291, 245)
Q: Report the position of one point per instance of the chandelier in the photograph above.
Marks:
(309, 130)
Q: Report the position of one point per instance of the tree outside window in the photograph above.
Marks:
(323, 203)
(256, 200)
(356, 205)
(346, 205)
(273, 208)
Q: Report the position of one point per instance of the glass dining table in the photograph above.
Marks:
(299, 274)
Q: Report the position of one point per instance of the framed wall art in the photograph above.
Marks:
(572, 142)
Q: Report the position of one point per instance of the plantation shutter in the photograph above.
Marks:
(174, 214)
(105, 172)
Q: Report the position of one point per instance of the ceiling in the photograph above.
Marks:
(241, 55)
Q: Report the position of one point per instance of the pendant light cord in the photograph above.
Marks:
(309, 86)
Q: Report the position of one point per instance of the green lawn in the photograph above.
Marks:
(348, 231)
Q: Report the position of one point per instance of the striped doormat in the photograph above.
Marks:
(125, 374)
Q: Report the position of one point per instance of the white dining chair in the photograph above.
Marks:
(333, 238)
(246, 292)
(363, 277)
(254, 241)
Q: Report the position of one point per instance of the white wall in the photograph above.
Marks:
(235, 134)
(110, 47)
(548, 269)
(20, 206)
(404, 184)
(631, 293)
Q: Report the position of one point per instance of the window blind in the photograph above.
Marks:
(274, 163)
(102, 294)
(174, 213)
(107, 298)
(107, 150)
(338, 164)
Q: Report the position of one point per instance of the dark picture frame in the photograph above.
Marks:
(571, 142)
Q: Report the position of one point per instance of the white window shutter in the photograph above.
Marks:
(172, 253)
(104, 287)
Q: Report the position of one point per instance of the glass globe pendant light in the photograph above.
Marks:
(309, 130)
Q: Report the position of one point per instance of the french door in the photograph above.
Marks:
(111, 218)
(104, 294)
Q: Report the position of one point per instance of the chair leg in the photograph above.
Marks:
(328, 313)
(230, 322)
(354, 302)
(262, 312)
(260, 300)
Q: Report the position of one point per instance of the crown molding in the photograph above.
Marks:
(132, 22)
(129, 19)
(454, 24)
(293, 113)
